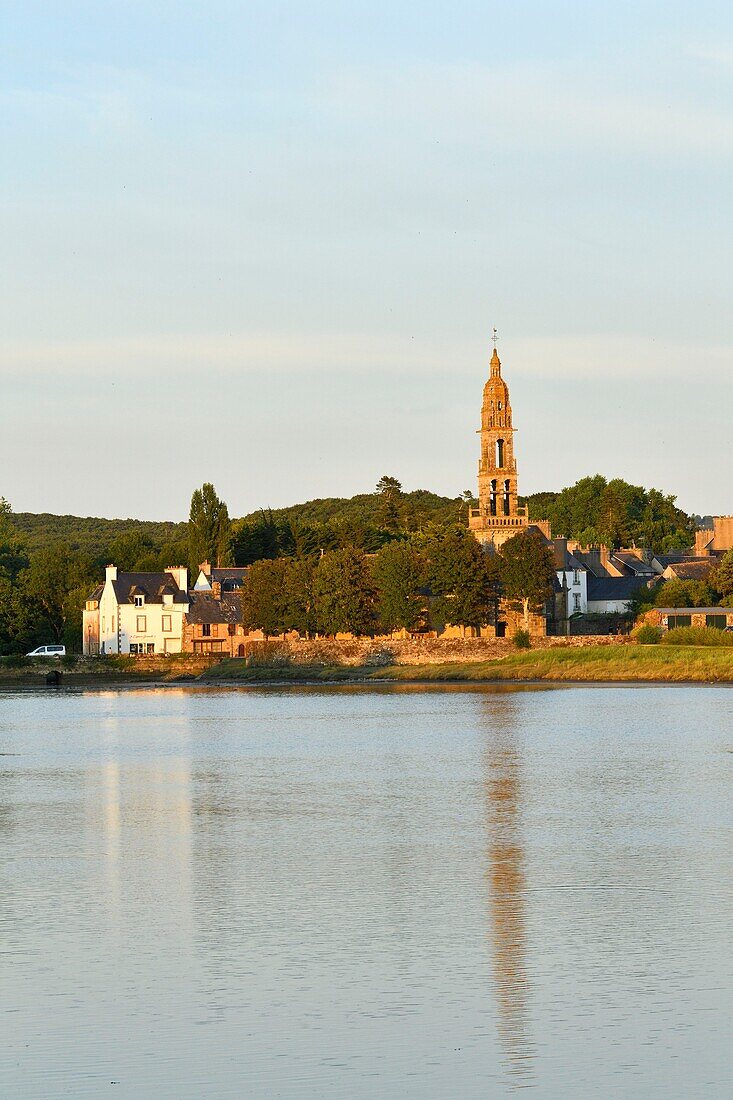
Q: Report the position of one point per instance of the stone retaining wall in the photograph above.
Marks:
(402, 651)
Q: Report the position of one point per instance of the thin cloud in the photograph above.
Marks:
(553, 356)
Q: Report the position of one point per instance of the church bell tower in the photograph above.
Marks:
(498, 516)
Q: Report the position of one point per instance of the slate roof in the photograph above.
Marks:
(230, 573)
(613, 588)
(205, 609)
(153, 586)
(96, 593)
(692, 570)
(633, 562)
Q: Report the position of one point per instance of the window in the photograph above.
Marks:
(133, 648)
(716, 621)
(112, 623)
(576, 576)
(206, 630)
(215, 630)
(150, 647)
(499, 456)
(166, 623)
(676, 621)
(139, 601)
(142, 624)
(576, 601)
(103, 626)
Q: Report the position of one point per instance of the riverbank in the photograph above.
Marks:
(592, 664)
(628, 663)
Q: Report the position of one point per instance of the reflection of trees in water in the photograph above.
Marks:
(507, 884)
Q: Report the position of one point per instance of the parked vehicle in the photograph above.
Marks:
(48, 651)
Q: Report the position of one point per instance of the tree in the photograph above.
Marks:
(462, 577)
(263, 598)
(300, 596)
(526, 572)
(344, 593)
(678, 593)
(614, 512)
(208, 528)
(399, 573)
(45, 588)
(389, 489)
(722, 578)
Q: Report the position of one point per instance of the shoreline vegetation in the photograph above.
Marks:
(625, 664)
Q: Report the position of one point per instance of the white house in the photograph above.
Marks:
(137, 613)
(572, 574)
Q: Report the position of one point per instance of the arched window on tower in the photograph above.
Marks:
(500, 453)
(506, 498)
(492, 499)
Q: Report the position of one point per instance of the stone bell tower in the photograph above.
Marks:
(498, 516)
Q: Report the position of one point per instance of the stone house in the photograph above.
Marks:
(669, 618)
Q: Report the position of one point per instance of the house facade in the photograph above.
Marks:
(137, 613)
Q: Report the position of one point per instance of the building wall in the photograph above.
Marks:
(718, 540)
(660, 617)
(90, 631)
(123, 625)
(576, 586)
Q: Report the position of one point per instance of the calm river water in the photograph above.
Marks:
(367, 893)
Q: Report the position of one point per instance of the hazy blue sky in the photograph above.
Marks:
(265, 244)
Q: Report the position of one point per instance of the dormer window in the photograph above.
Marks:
(139, 601)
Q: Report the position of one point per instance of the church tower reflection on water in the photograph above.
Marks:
(499, 515)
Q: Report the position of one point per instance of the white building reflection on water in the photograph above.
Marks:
(139, 820)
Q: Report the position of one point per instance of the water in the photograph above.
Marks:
(364, 893)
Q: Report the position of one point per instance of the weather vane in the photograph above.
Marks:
(494, 336)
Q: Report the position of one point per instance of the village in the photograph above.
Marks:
(590, 595)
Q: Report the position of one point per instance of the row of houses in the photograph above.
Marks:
(157, 613)
(146, 613)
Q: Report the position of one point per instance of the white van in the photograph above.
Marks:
(48, 651)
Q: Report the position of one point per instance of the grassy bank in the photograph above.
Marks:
(631, 663)
(620, 664)
(80, 671)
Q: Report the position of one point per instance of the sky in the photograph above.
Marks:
(265, 245)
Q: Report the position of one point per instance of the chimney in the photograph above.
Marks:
(561, 552)
(110, 573)
(205, 568)
(216, 589)
(180, 575)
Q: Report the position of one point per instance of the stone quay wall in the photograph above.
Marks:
(379, 652)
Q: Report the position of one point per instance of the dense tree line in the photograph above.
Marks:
(413, 543)
(614, 513)
(437, 577)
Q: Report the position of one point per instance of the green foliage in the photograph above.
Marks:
(389, 491)
(399, 572)
(462, 577)
(300, 596)
(209, 528)
(697, 635)
(596, 511)
(676, 593)
(649, 635)
(521, 639)
(526, 572)
(721, 580)
(345, 593)
(263, 597)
